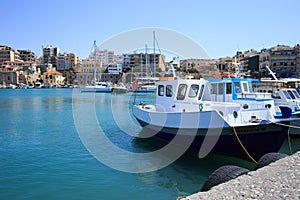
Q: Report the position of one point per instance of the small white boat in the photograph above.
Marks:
(119, 89)
(38, 84)
(98, 87)
(12, 86)
(199, 113)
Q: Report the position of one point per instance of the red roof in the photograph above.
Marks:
(53, 73)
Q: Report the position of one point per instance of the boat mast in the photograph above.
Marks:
(95, 46)
(154, 69)
(146, 60)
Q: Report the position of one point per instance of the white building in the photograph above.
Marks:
(115, 69)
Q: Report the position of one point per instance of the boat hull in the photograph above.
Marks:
(257, 139)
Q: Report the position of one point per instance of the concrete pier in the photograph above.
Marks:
(279, 180)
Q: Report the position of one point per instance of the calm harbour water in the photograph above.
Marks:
(42, 156)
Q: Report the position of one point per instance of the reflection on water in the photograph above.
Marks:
(42, 156)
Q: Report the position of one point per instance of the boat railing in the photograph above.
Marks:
(266, 96)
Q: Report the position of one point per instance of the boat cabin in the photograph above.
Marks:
(188, 95)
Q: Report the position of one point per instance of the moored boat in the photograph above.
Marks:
(97, 86)
(201, 115)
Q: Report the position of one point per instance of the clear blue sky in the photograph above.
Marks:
(220, 27)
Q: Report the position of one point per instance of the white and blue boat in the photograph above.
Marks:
(222, 115)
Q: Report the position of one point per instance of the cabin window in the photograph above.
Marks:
(220, 88)
(291, 94)
(296, 94)
(245, 87)
(201, 92)
(228, 88)
(181, 91)
(237, 87)
(287, 94)
(160, 90)
(169, 90)
(193, 90)
(213, 88)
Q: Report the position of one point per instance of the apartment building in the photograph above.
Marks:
(27, 55)
(144, 63)
(282, 60)
(105, 56)
(8, 54)
(50, 55)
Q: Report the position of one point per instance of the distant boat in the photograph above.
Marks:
(38, 84)
(97, 86)
(146, 84)
(119, 89)
(12, 86)
(191, 113)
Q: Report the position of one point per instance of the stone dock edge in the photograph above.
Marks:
(278, 180)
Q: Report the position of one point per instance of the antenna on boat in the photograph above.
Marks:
(272, 73)
(236, 67)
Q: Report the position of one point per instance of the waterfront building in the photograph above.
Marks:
(27, 55)
(50, 55)
(144, 63)
(105, 56)
(203, 67)
(53, 77)
(85, 75)
(67, 61)
(225, 64)
(282, 60)
(115, 69)
(8, 54)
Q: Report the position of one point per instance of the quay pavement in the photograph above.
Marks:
(278, 180)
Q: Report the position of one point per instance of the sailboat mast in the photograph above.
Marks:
(146, 60)
(154, 68)
(95, 46)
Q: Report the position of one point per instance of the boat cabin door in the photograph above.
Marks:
(218, 91)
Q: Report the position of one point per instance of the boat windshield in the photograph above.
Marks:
(291, 94)
(181, 91)
(296, 94)
(287, 95)
(193, 90)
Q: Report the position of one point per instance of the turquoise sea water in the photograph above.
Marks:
(42, 156)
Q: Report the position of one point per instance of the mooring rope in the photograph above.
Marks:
(288, 135)
(237, 137)
(290, 126)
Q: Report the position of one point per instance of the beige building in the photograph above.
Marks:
(53, 78)
(85, 73)
(67, 61)
(8, 54)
